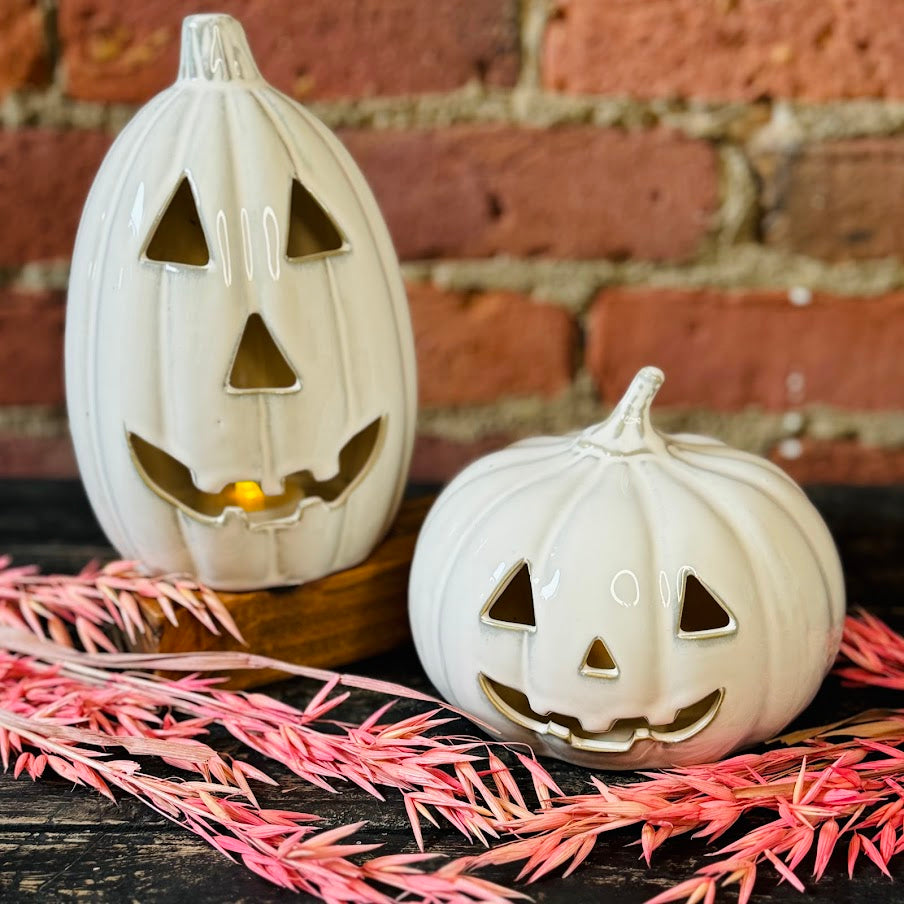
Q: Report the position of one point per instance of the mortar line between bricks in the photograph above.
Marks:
(49, 12)
(755, 429)
(526, 104)
(738, 213)
(534, 16)
(33, 420)
(573, 283)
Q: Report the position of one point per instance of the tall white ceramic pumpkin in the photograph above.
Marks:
(239, 359)
(623, 598)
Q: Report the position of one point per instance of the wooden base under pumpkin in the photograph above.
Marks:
(331, 622)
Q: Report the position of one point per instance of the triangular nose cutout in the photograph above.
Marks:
(258, 364)
(598, 663)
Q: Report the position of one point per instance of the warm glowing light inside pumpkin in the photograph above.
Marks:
(249, 495)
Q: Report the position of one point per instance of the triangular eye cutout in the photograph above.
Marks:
(512, 606)
(701, 613)
(598, 663)
(259, 365)
(312, 233)
(179, 237)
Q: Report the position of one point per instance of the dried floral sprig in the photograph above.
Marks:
(820, 793)
(823, 793)
(875, 653)
(278, 845)
(100, 598)
(59, 705)
(434, 774)
(50, 718)
(435, 777)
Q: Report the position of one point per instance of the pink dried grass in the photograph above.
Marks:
(823, 794)
(839, 787)
(874, 653)
(434, 772)
(61, 709)
(278, 845)
(98, 599)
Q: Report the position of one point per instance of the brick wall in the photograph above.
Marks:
(575, 188)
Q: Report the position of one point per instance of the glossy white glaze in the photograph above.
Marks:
(151, 344)
(612, 523)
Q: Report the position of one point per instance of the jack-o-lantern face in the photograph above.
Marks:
(259, 366)
(240, 365)
(624, 599)
(700, 617)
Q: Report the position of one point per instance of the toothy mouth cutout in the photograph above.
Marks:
(172, 480)
(621, 734)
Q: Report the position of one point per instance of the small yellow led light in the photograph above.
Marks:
(249, 495)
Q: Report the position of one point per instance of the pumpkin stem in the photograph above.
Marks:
(215, 49)
(628, 429)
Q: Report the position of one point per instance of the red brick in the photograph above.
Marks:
(317, 48)
(438, 460)
(31, 347)
(840, 461)
(36, 456)
(838, 200)
(726, 49)
(479, 348)
(44, 180)
(23, 53)
(574, 192)
(726, 350)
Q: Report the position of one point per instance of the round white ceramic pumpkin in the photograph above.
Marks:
(239, 359)
(622, 598)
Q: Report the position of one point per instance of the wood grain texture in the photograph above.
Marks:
(59, 843)
(339, 619)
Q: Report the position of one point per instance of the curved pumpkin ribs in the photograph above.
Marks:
(230, 247)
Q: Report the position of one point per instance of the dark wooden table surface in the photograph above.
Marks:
(59, 843)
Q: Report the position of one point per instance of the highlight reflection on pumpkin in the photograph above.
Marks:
(624, 599)
(236, 320)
